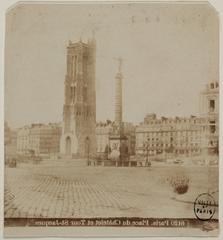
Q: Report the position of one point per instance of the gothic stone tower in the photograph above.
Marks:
(79, 110)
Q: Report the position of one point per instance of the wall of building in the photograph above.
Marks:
(169, 135)
(209, 109)
(39, 139)
(10, 141)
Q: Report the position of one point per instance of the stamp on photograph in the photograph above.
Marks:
(204, 207)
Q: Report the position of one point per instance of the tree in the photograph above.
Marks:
(108, 121)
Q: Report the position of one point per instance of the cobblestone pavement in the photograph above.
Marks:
(70, 191)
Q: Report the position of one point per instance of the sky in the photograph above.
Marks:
(169, 51)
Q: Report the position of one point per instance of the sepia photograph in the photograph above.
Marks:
(111, 119)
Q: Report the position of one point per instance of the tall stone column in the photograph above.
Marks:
(118, 95)
(118, 140)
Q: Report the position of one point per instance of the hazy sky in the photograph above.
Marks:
(170, 51)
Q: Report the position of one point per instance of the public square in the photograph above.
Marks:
(71, 189)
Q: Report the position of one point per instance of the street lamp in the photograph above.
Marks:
(146, 145)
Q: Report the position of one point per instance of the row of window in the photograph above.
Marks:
(182, 151)
(167, 134)
(180, 121)
(176, 132)
(175, 138)
(167, 144)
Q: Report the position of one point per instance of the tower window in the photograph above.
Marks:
(212, 105)
(74, 66)
(85, 94)
(212, 85)
(212, 127)
(72, 93)
(85, 62)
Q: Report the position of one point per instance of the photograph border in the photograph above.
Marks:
(98, 232)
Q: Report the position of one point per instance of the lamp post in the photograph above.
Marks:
(146, 147)
(147, 154)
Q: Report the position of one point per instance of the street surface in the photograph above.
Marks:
(66, 190)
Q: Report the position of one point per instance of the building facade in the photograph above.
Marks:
(79, 110)
(169, 135)
(185, 136)
(39, 139)
(103, 132)
(210, 112)
(10, 141)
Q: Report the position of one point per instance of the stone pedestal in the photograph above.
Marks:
(119, 148)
